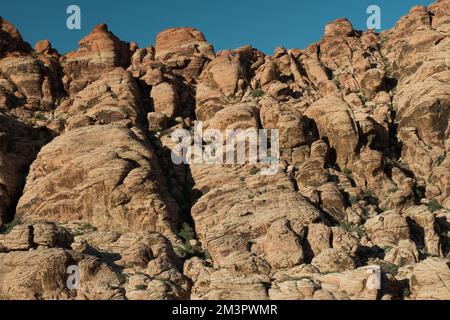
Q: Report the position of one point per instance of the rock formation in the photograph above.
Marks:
(362, 187)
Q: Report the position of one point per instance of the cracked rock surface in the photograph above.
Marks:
(87, 180)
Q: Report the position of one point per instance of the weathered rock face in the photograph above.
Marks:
(31, 83)
(184, 50)
(358, 209)
(226, 72)
(111, 265)
(166, 100)
(430, 280)
(150, 270)
(333, 261)
(248, 209)
(25, 274)
(26, 74)
(225, 81)
(19, 145)
(387, 229)
(423, 224)
(335, 121)
(296, 130)
(99, 52)
(104, 175)
(211, 284)
(405, 253)
(422, 103)
(113, 98)
(10, 39)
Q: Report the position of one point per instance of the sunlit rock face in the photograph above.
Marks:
(360, 194)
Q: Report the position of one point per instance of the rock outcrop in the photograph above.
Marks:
(107, 176)
(36, 259)
(11, 40)
(357, 206)
(99, 52)
(19, 145)
(184, 50)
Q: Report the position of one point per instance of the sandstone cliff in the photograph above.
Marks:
(86, 176)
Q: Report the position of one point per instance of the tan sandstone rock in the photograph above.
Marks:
(103, 175)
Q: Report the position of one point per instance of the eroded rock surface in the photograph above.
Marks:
(107, 176)
(359, 206)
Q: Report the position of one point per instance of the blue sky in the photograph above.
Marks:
(227, 24)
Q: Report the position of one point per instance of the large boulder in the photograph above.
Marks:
(184, 50)
(387, 229)
(225, 80)
(26, 275)
(335, 121)
(431, 280)
(107, 176)
(99, 52)
(211, 284)
(247, 204)
(10, 40)
(35, 82)
(113, 98)
(35, 260)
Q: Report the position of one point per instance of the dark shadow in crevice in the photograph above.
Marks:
(19, 145)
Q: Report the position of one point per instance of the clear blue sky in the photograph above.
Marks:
(227, 24)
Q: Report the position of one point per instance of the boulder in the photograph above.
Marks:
(99, 52)
(431, 280)
(107, 176)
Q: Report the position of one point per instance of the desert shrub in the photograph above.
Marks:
(396, 163)
(389, 268)
(7, 227)
(166, 132)
(353, 229)
(440, 159)
(387, 248)
(141, 287)
(406, 293)
(189, 251)
(258, 92)
(186, 233)
(122, 277)
(434, 205)
(156, 130)
(383, 40)
(364, 100)
(85, 46)
(348, 173)
(39, 116)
